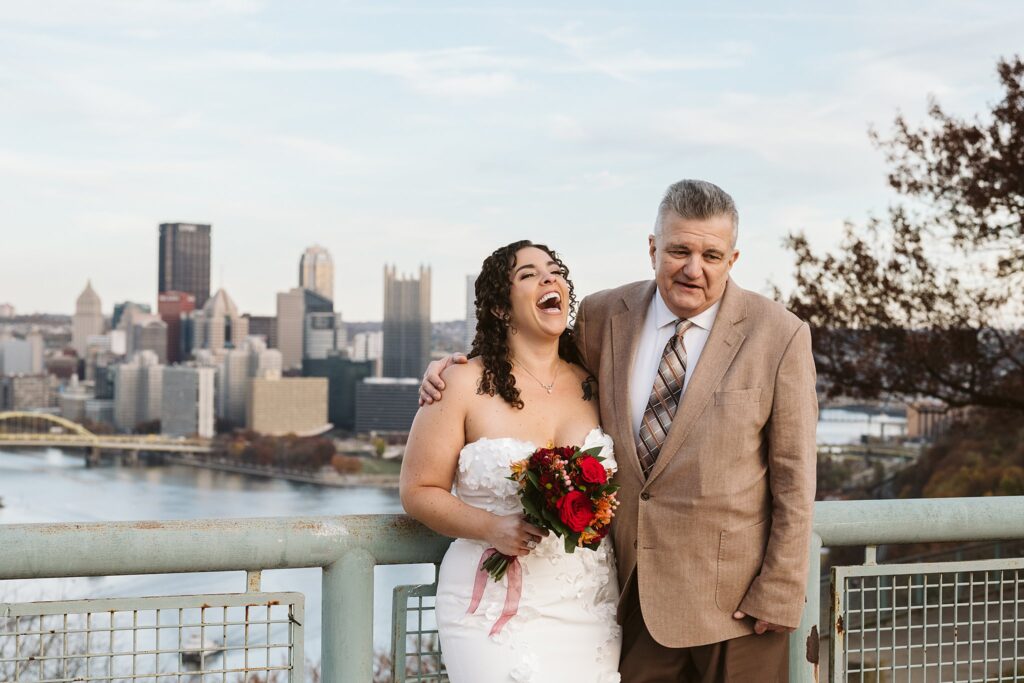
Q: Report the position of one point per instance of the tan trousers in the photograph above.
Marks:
(749, 659)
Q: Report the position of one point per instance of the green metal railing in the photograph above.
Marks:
(167, 638)
(348, 548)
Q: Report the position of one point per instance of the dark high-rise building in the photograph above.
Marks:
(185, 260)
(406, 323)
(343, 376)
(386, 404)
(263, 326)
(171, 306)
(104, 381)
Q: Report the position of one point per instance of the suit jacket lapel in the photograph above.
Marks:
(723, 343)
(626, 327)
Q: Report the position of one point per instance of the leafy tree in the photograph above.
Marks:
(929, 301)
(980, 457)
(150, 427)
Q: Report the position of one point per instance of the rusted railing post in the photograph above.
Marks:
(804, 642)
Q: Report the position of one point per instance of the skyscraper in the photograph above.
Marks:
(171, 306)
(263, 326)
(88, 319)
(187, 407)
(406, 323)
(368, 346)
(343, 375)
(185, 260)
(138, 391)
(22, 356)
(386, 404)
(218, 325)
(151, 336)
(288, 405)
(292, 308)
(316, 271)
(16, 358)
(143, 330)
(235, 372)
(324, 335)
(120, 308)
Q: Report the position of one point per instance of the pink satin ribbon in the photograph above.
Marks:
(512, 596)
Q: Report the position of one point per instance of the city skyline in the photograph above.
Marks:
(437, 134)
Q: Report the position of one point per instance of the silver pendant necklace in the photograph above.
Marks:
(547, 387)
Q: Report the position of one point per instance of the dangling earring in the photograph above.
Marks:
(507, 319)
(505, 316)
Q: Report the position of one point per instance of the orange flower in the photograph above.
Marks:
(603, 511)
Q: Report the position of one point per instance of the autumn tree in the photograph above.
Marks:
(929, 301)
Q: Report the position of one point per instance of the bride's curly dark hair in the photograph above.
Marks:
(493, 316)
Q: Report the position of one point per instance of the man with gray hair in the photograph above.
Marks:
(708, 391)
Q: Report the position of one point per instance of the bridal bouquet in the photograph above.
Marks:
(566, 491)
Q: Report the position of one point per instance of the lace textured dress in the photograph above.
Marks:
(564, 629)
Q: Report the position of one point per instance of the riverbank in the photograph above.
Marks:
(325, 477)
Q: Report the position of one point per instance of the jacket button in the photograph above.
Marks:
(634, 545)
(645, 496)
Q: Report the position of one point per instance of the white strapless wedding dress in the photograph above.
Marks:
(564, 629)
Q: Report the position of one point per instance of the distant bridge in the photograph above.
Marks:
(42, 430)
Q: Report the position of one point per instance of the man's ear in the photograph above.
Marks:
(652, 247)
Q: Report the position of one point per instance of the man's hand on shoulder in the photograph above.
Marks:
(762, 626)
(432, 385)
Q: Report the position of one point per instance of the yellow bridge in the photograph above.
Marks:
(42, 430)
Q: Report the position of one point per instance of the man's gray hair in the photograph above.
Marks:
(700, 200)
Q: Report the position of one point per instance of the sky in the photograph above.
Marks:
(413, 133)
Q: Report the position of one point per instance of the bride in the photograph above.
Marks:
(523, 388)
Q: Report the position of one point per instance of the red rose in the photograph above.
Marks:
(576, 510)
(592, 471)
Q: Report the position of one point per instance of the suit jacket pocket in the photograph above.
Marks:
(740, 555)
(734, 396)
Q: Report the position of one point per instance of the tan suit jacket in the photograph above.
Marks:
(724, 520)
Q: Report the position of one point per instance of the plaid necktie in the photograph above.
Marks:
(661, 407)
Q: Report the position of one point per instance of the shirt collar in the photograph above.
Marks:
(664, 316)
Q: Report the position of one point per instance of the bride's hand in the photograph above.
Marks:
(513, 536)
(432, 384)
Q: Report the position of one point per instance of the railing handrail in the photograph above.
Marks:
(98, 548)
(32, 551)
(919, 520)
(348, 547)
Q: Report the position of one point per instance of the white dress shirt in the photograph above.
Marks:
(659, 326)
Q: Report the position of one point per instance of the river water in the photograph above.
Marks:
(50, 486)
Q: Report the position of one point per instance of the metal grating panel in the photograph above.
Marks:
(415, 648)
(172, 639)
(934, 622)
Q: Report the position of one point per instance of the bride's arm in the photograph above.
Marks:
(428, 470)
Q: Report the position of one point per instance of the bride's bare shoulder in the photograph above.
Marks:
(463, 377)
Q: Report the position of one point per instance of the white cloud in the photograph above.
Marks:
(567, 128)
(471, 71)
(308, 148)
(597, 53)
(124, 12)
(98, 173)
